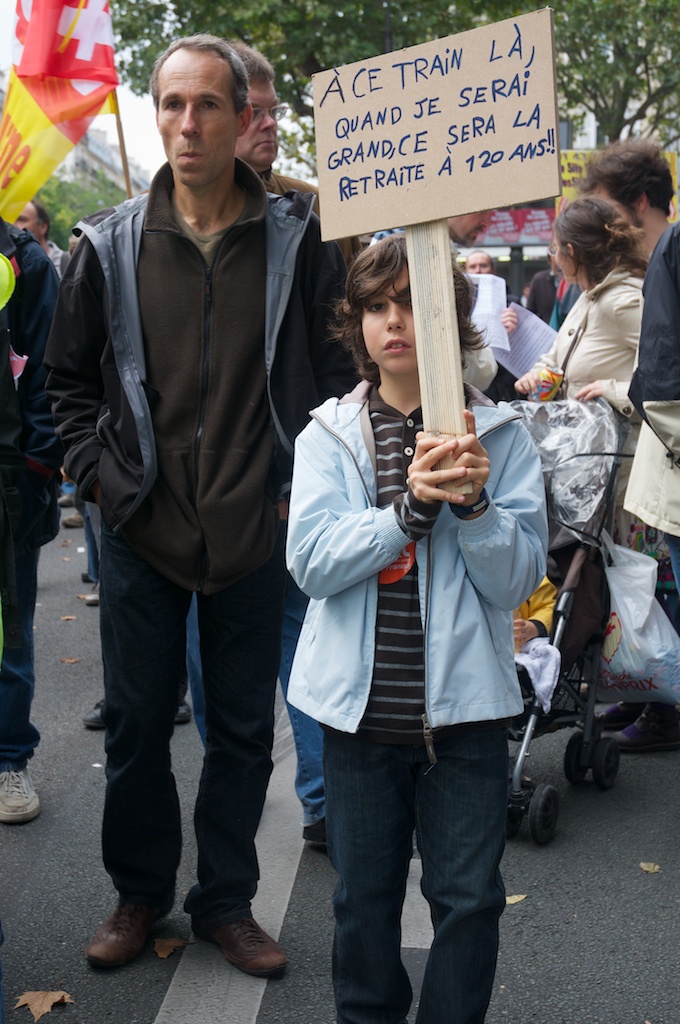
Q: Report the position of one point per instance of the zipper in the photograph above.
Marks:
(205, 376)
(429, 739)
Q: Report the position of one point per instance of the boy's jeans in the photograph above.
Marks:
(376, 795)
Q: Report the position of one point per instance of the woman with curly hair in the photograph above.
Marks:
(597, 344)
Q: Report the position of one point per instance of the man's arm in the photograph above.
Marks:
(73, 358)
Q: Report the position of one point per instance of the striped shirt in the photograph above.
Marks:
(397, 699)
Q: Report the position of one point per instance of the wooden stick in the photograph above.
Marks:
(121, 146)
(435, 321)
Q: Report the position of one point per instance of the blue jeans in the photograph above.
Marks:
(18, 737)
(307, 734)
(143, 618)
(376, 795)
(195, 671)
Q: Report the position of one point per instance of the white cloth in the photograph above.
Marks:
(542, 662)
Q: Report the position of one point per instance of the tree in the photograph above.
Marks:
(68, 201)
(613, 59)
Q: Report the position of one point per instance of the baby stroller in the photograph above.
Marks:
(580, 445)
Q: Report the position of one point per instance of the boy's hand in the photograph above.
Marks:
(471, 465)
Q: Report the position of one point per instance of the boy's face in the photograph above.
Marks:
(387, 326)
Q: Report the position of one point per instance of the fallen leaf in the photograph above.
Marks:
(69, 661)
(40, 1003)
(511, 900)
(64, 559)
(65, 543)
(164, 948)
(649, 867)
(68, 618)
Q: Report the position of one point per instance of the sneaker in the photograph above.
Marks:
(618, 716)
(93, 718)
(315, 834)
(183, 713)
(92, 600)
(65, 501)
(73, 522)
(245, 945)
(653, 730)
(19, 801)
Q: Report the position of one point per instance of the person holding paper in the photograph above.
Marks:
(414, 739)
(597, 344)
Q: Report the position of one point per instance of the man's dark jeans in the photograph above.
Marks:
(143, 618)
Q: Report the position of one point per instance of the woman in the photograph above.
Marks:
(596, 346)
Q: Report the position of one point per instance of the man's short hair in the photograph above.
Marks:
(41, 214)
(627, 169)
(205, 43)
(256, 64)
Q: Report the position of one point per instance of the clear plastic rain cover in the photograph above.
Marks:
(578, 443)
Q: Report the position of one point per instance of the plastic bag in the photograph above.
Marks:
(578, 443)
(640, 656)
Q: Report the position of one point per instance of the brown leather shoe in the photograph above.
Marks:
(121, 938)
(246, 946)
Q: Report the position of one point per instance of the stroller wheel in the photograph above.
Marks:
(605, 762)
(543, 811)
(573, 769)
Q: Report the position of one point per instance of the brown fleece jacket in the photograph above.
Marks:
(211, 516)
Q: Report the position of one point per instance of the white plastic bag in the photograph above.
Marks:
(640, 656)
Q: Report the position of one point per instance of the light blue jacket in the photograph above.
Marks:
(473, 573)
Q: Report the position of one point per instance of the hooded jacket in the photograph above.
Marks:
(472, 573)
(104, 402)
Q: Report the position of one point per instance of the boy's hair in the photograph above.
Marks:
(601, 239)
(627, 169)
(376, 270)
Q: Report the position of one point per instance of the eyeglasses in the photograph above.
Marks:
(278, 112)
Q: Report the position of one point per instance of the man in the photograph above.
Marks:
(258, 147)
(196, 345)
(479, 262)
(463, 230)
(635, 176)
(259, 144)
(29, 314)
(35, 218)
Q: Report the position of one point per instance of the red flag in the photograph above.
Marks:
(63, 74)
(66, 39)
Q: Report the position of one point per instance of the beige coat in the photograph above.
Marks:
(653, 493)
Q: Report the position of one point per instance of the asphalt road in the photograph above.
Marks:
(595, 941)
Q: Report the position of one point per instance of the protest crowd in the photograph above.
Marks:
(230, 409)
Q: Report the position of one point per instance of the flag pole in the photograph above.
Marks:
(121, 145)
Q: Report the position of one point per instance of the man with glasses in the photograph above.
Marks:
(259, 145)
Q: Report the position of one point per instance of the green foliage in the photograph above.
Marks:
(68, 201)
(613, 59)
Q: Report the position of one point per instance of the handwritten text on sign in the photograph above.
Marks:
(448, 127)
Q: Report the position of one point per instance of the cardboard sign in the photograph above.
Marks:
(448, 127)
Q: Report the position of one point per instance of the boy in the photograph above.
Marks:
(406, 653)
